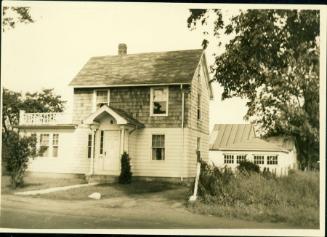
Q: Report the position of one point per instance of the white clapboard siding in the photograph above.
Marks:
(191, 146)
(141, 153)
(72, 152)
(285, 160)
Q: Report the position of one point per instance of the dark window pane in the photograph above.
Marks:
(55, 151)
(159, 107)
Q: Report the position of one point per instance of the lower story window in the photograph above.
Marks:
(34, 136)
(89, 146)
(259, 160)
(272, 160)
(55, 142)
(240, 158)
(158, 147)
(228, 159)
(101, 141)
(44, 145)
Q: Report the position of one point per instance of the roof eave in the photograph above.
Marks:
(247, 149)
(51, 126)
(129, 85)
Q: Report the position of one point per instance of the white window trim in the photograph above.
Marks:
(52, 145)
(264, 158)
(234, 158)
(49, 145)
(241, 154)
(272, 156)
(151, 136)
(94, 99)
(151, 101)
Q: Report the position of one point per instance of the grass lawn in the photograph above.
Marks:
(136, 188)
(36, 183)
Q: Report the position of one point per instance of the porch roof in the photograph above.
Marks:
(119, 115)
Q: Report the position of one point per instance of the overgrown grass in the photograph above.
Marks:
(293, 199)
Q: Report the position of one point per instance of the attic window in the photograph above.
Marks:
(159, 101)
(102, 98)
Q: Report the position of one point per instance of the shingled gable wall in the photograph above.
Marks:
(136, 102)
(197, 128)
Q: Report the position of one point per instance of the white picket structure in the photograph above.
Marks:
(44, 118)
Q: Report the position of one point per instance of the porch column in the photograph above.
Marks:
(92, 152)
(94, 128)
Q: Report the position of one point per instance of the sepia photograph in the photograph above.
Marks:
(163, 118)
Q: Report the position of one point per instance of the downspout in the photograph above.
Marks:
(182, 126)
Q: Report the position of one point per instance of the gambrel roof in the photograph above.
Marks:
(171, 67)
(239, 137)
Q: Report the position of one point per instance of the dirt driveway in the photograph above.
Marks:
(165, 209)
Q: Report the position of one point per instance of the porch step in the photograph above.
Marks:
(97, 178)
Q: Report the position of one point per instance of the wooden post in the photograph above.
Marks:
(92, 151)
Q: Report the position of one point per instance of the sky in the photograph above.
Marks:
(49, 52)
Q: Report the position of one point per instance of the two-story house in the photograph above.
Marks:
(154, 106)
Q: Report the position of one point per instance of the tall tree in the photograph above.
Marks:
(13, 15)
(273, 62)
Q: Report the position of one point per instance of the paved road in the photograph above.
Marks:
(39, 213)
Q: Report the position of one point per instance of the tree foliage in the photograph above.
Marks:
(13, 15)
(17, 149)
(13, 102)
(272, 61)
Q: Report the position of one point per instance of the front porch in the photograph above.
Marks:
(109, 139)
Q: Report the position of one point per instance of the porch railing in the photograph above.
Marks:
(44, 118)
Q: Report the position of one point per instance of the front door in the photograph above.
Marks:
(110, 157)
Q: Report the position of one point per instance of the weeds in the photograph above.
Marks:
(261, 197)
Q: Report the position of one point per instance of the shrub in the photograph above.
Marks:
(247, 167)
(125, 174)
(17, 151)
(213, 182)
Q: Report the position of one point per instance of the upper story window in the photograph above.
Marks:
(101, 98)
(159, 101)
(199, 107)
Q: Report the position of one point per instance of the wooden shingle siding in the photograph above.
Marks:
(83, 101)
(199, 85)
(136, 102)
